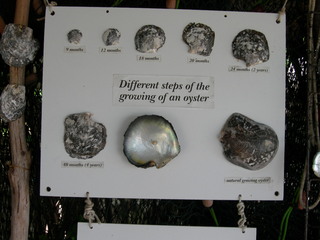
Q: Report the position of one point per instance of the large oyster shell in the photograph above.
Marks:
(247, 143)
(150, 140)
(149, 39)
(83, 137)
(17, 45)
(251, 46)
(199, 37)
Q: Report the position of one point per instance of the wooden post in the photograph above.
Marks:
(19, 172)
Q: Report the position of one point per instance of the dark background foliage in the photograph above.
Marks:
(56, 218)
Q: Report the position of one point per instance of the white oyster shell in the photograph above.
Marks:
(247, 143)
(250, 46)
(316, 164)
(149, 39)
(150, 140)
(199, 37)
(83, 137)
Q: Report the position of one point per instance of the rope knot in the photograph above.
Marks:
(89, 214)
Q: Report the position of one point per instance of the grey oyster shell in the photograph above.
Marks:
(149, 39)
(250, 46)
(12, 102)
(247, 143)
(74, 36)
(199, 37)
(17, 46)
(111, 37)
(150, 140)
(83, 137)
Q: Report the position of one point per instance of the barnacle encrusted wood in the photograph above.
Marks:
(12, 102)
(17, 46)
(199, 37)
(247, 143)
(83, 137)
(251, 46)
(149, 39)
(149, 141)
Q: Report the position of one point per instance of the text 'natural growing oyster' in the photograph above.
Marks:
(247, 143)
(150, 140)
(149, 39)
(199, 37)
(83, 137)
(250, 46)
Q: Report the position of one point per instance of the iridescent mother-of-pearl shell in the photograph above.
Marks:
(150, 140)
(247, 143)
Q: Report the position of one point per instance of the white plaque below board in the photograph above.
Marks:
(147, 232)
(196, 94)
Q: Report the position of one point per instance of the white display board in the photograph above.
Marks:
(90, 77)
(146, 232)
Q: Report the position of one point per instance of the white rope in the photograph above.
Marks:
(50, 5)
(282, 12)
(242, 221)
(89, 213)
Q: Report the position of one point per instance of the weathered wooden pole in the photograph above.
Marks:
(19, 172)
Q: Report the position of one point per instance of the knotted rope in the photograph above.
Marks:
(282, 12)
(50, 5)
(89, 213)
(242, 221)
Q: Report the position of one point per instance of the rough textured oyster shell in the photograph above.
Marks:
(111, 37)
(247, 143)
(12, 102)
(149, 39)
(74, 36)
(150, 140)
(250, 46)
(83, 137)
(17, 46)
(199, 37)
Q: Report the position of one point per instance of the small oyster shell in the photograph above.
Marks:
(199, 37)
(83, 137)
(111, 37)
(247, 143)
(12, 102)
(250, 46)
(316, 164)
(149, 39)
(74, 36)
(17, 46)
(150, 140)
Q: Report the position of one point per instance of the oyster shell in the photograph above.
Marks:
(247, 143)
(111, 37)
(17, 45)
(251, 46)
(199, 37)
(316, 164)
(83, 137)
(150, 140)
(149, 39)
(12, 102)
(74, 36)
